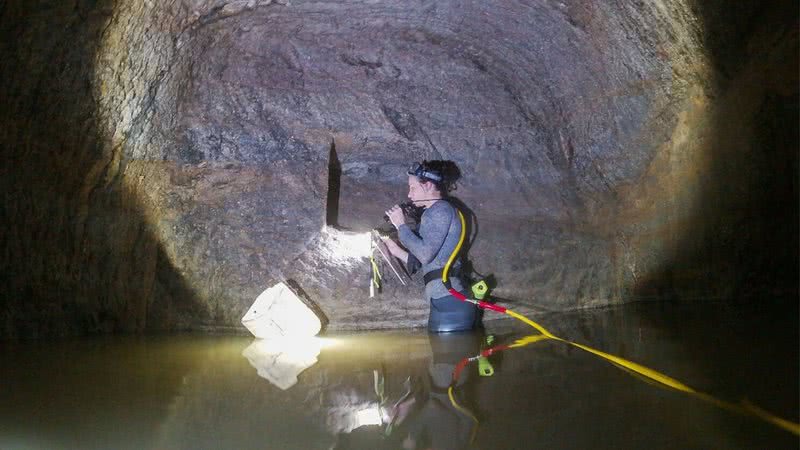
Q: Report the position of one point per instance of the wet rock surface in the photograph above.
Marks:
(165, 162)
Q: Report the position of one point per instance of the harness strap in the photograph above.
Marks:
(436, 274)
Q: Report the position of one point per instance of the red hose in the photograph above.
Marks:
(480, 303)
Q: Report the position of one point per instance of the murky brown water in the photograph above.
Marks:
(205, 392)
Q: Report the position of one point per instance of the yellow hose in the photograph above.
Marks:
(660, 378)
(452, 258)
(646, 372)
(464, 411)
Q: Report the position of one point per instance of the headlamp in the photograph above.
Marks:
(418, 171)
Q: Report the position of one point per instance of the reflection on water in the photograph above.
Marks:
(389, 390)
(281, 360)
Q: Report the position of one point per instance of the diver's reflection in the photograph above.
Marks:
(424, 416)
(441, 423)
(281, 360)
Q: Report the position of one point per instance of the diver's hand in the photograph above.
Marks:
(395, 249)
(396, 216)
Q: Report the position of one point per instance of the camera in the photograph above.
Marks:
(412, 212)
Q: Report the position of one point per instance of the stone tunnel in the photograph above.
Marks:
(163, 162)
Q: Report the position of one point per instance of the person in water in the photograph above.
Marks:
(429, 246)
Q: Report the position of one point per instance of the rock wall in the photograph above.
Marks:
(164, 162)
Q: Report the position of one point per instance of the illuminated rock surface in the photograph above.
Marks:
(164, 162)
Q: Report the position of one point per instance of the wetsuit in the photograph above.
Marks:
(429, 248)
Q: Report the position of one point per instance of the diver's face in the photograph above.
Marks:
(418, 190)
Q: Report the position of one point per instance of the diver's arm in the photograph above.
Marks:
(432, 232)
(397, 251)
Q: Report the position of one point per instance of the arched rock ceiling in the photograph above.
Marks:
(545, 105)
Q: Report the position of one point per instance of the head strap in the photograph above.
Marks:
(418, 171)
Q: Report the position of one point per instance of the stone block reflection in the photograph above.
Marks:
(280, 361)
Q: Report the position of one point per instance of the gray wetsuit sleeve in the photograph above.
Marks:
(432, 231)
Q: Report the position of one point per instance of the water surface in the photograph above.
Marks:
(389, 389)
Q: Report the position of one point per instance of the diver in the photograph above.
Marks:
(430, 245)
